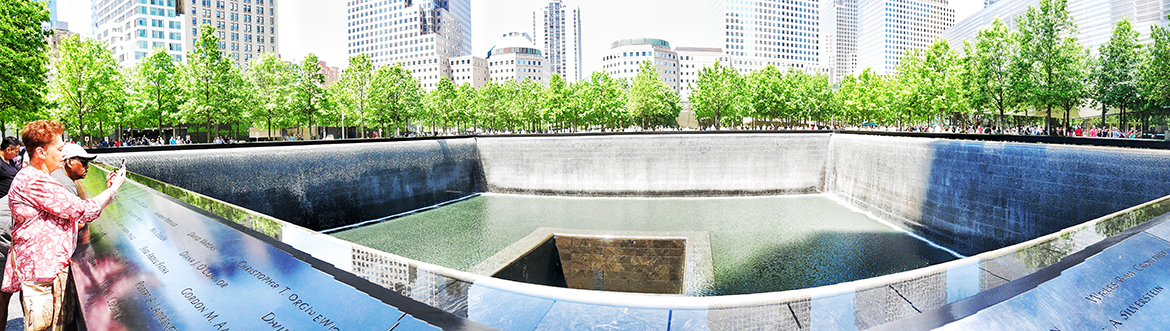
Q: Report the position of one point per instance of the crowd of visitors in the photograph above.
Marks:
(1075, 131)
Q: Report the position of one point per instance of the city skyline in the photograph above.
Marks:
(321, 29)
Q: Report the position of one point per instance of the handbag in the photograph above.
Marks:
(43, 302)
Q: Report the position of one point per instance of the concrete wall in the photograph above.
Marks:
(322, 187)
(974, 196)
(656, 165)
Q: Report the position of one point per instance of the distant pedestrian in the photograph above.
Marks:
(9, 167)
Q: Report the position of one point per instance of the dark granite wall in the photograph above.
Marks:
(975, 196)
(970, 196)
(322, 187)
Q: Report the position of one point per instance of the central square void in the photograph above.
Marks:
(758, 244)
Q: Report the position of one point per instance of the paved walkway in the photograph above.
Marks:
(15, 316)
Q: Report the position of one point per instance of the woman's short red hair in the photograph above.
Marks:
(40, 134)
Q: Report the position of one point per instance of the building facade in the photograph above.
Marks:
(421, 35)
(468, 69)
(332, 74)
(245, 28)
(1094, 19)
(560, 30)
(786, 33)
(840, 38)
(135, 28)
(890, 28)
(624, 57)
(515, 56)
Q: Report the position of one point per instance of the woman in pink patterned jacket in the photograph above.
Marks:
(45, 219)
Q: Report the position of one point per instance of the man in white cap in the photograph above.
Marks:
(74, 167)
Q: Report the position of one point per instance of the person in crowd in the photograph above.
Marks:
(74, 167)
(45, 222)
(9, 166)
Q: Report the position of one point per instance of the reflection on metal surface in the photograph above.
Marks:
(152, 264)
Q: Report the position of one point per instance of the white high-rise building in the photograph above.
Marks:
(624, 58)
(691, 60)
(889, 28)
(840, 37)
(560, 28)
(515, 56)
(422, 35)
(245, 28)
(1094, 19)
(468, 69)
(134, 28)
(785, 33)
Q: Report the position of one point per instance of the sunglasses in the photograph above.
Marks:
(84, 162)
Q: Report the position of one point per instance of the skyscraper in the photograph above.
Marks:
(421, 35)
(52, 5)
(1094, 19)
(560, 29)
(134, 28)
(840, 37)
(889, 28)
(785, 33)
(245, 28)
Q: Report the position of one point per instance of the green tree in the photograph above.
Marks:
(1044, 37)
(440, 104)
(765, 94)
(465, 106)
(651, 102)
(308, 98)
(1076, 73)
(490, 100)
(271, 83)
(85, 83)
(817, 97)
(23, 80)
(557, 102)
(396, 97)
(210, 83)
(988, 73)
(352, 91)
(1154, 75)
(1117, 70)
(532, 105)
(155, 89)
(718, 95)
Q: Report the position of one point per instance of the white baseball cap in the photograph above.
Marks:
(74, 150)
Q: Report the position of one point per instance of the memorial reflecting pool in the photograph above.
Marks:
(758, 244)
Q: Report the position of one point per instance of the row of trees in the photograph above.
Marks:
(93, 97)
(1039, 70)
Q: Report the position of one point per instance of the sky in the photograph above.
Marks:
(318, 26)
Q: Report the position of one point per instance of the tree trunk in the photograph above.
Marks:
(1048, 121)
(1103, 109)
(1121, 121)
(1066, 111)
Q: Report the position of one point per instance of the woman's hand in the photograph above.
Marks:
(116, 179)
